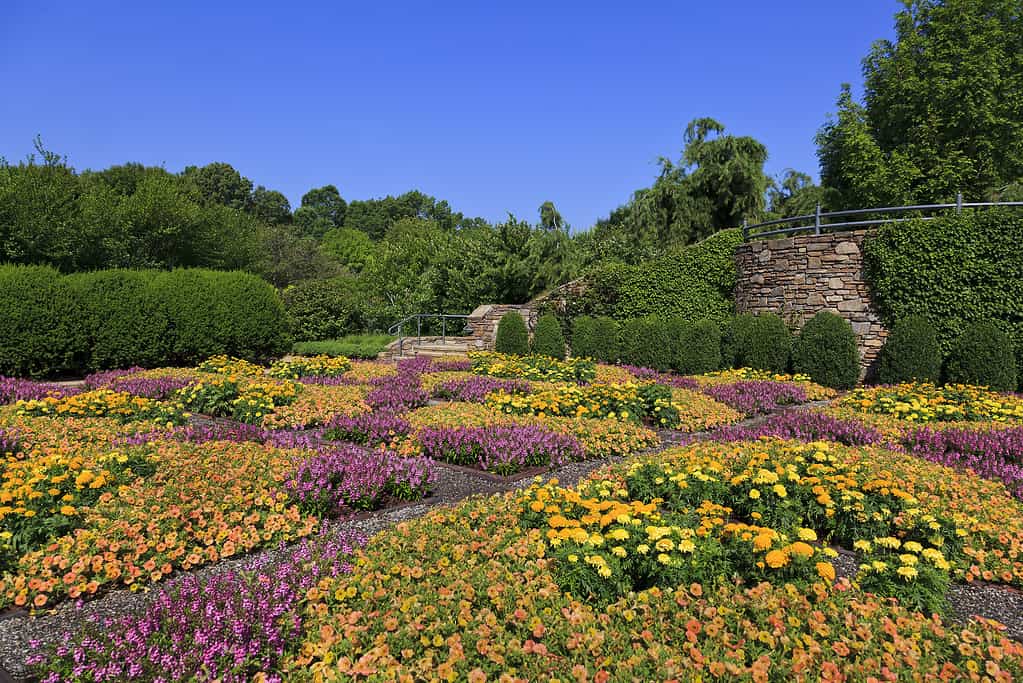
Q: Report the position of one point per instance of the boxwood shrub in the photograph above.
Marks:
(645, 343)
(983, 355)
(698, 349)
(910, 353)
(324, 309)
(826, 351)
(758, 341)
(547, 337)
(123, 321)
(512, 335)
(41, 334)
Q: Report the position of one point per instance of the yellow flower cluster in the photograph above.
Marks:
(225, 365)
(306, 366)
(697, 411)
(814, 391)
(925, 402)
(600, 401)
(363, 371)
(103, 403)
(533, 367)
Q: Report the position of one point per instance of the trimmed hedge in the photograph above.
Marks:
(547, 337)
(512, 335)
(698, 348)
(983, 355)
(608, 332)
(595, 338)
(954, 271)
(645, 342)
(735, 335)
(319, 310)
(910, 353)
(123, 321)
(40, 323)
(826, 351)
(55, 325)
(760, 341)
(691, 283)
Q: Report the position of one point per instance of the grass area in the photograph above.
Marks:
(352, 345)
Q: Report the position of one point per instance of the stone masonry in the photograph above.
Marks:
(799, 276)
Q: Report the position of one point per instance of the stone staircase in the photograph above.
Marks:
(433, 347)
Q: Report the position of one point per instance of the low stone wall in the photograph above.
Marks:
(484, 321)
(799, 276)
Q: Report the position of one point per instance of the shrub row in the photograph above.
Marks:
(982, 355)
(57, 325)
(513, 337)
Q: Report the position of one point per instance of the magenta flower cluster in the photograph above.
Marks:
(475, 389)
(502, 449)
(993, 454)
(226, 627)
(105, 378)
(349, 477)
(13, 389)
(372, 429)
(397, 394)
(803, 425)
(665, 378)
(756, 397)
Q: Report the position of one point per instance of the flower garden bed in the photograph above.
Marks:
(713, 558)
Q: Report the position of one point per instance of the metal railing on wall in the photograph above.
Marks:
(398, 328)
(821, 222)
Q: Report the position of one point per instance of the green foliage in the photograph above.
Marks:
(941, 108)
(698, 348)
(954, 270)
(645, 343)
(982, 355)
(215, 313)
(324, 309)
(40, 319)
(733, 338)
(122, 319)
(911, 353)
(826, 351)
(692, 283)
(512, 336)
(547, 338)
(350, 346)
(595, 338)
(760, 341)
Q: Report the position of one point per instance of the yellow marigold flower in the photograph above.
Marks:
(642, 548)
(665, 544)
(618, 534)
(776, 559)
(826, 570)
(907, 572)
(912, 546)
(663, 558)
(754, 494)
(763, 541)
(862, 545)
(805, 534)
(908, 559)
(779, 490)
(619, 551)
(67, 510)
(686, 546)
(800, 549)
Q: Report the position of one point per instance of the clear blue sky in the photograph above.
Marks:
(495, 107)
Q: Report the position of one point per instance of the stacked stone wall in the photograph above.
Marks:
(799, 276)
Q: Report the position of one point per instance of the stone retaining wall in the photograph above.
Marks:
(484, 321)
(802, 275)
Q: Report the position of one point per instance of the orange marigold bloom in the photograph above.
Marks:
(776, 559)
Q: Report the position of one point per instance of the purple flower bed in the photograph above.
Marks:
(159, 388)
(9, 442)
(397, 394)
(665, 378)
(454, 365)
(756, 397)
(415, 366)
(993, 454)
(226, 627)
(13, 389)
(347, 476)
(475, 389)
(105, 378)
(371, 429)
(502, 449)
(803, 425)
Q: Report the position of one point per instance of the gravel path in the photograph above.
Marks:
(453, 485)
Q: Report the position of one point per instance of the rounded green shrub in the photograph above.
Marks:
(584, 337)
(826, 351)
(40, 323)
(251, 322)
(734, 335)
(122, 319)
(512, 336)
(645, 343)
(698, 349)
(910, 353)
(760, 341)
(608, 337)
(324, 309)
(185, 296)
(547, 337)
(983, 355)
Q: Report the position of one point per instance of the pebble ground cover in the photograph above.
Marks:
(717, 558)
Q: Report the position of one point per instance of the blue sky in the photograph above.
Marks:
(495, 107)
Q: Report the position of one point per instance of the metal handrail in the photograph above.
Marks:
(398, 328)
(818, 218)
